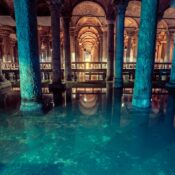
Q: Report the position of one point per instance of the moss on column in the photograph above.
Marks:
(121, 8)
(30, 80)
(146, 52)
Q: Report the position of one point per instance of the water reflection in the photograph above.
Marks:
(90, 132)
(88, 104)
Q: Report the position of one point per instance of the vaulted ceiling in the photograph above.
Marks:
(7, 8)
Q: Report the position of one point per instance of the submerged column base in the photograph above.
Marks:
(31, 106)
(141, 103)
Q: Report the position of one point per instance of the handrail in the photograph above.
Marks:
(84, 65)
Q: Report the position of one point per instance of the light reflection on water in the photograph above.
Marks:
(90, 134)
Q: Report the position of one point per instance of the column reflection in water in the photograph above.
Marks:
(170, 110)
(113, 104)
(117, 105)
(57, 98)
(69, 104)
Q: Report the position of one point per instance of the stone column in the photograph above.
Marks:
(12, 49)
(104, 46)
(76, 48)
(135, 46)
(168, 47)
(1, 57)
(101, 48)
(110, 59)
(128, 52)
(5, 33)
(121, 8)
(55, 8)
(30, 78)
(172, 75)
(146, 54)
(68, 70)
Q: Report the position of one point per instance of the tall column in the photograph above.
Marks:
(68, 70)
(101, 48)
(168, 47)
(30, 78)
(110, 59)
(146, 54)
(1, 57)
(121, 8)
(172, 76)
(76, 48)
(128, 52)
(55, 27)
(12, 49)
(104, 46)
(135, 46)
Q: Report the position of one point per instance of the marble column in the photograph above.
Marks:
(55, 9)
(146, 53)
(128, 52)
(135, 46)
(120, 21)
(168, 46)
(30, 78)
(68, 70)
(110, 59)
(101, 48)
(76, 48)
(105, 46)
(1, 57)
(12, 51)
(172, 75)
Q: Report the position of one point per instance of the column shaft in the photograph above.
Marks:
(30, 79)
(104, 46)
(56, 58)
(110, 59)
(128, 53)
(146, 54)
(68, 71)
(168, 47)
(172, 76)
(119, 46)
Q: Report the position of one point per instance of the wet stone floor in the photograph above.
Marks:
(92, 134)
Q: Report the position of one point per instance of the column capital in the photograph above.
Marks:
(5, 31)
(12, 42)
(121, 9)
(121, 6)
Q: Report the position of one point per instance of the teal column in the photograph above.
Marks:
(110, 59)
(55, 8)
(146, 52)
(30, 80)
(172, 75)
(67, 53)
(120, 22)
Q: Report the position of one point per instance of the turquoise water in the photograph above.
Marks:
(91, 135)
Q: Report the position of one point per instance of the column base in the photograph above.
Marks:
(29, 107)
(141, 103)
(118, 83)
